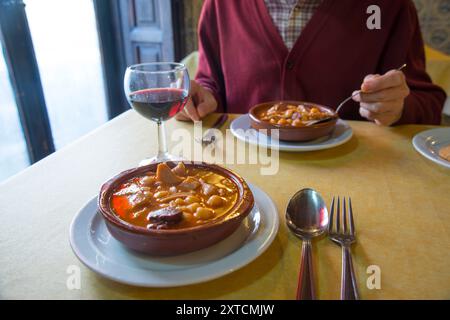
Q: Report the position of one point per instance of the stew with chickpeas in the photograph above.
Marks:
(284, 114)
(174, 198)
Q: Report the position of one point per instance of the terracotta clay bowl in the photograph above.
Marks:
(167, 242)
(289, 133)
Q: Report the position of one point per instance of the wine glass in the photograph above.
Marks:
(157, 91)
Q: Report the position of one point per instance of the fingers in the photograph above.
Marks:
(381, 113)
(370, 115)
(389, 94)
(387, 119)
(201, 103)
(182, 116)
(390, 79)
(209, 105)
(382, 119)
(382, 97)
(191, 111)
(379, 107)
(370, 76)
(379, 119)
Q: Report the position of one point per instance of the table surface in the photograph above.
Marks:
(400, 199)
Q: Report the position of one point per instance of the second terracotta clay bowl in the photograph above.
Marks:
(289, 133)
(167, 242)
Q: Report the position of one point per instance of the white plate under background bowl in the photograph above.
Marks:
(241, 128)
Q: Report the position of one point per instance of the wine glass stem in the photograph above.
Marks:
(162, 146)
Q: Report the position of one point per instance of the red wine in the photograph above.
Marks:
(158, 104)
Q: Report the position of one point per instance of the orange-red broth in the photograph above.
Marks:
(134, 200)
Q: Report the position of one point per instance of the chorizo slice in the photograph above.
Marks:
(169, 215)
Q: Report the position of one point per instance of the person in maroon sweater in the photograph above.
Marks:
(244, 61)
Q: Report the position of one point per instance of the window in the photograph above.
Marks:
(13, 150)
(66, 45)
(63, 71)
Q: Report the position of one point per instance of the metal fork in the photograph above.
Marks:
(344, 237)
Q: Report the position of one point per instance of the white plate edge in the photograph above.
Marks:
(263, 247)
(295, 149)
(417, 146)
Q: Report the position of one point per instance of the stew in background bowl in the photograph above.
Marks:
(290, 118)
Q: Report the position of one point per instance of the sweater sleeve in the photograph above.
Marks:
(425, 102)
(209, 73)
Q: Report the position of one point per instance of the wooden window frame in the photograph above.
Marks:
(112, 54)
(25, 80)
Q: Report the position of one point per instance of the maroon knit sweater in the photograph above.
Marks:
(244, 61)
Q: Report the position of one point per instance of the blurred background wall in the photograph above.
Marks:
(434, 16)
(192, 9)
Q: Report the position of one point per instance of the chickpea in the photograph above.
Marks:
(191, 199)
(173, 189)
(215, 201)
(161, 194)
(188, 216)
(288, 113)
(272, 121)
(147, 180)
(193, 207)
(289, 121)
(147, 194)
(179, 202)
(314, 110)
(204, 213)
(297, 123)
(281, 122)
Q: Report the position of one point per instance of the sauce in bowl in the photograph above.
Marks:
(175, 198)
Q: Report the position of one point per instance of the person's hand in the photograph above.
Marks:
(200, 104)
(382, 97)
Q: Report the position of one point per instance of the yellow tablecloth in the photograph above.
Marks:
(401, 203)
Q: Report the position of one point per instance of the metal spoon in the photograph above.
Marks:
(306, 217)
(313, 122)
(358, 92)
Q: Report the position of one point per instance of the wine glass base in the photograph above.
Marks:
(159, 158)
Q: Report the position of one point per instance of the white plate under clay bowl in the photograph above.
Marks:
(99, 251)
(241, 128)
